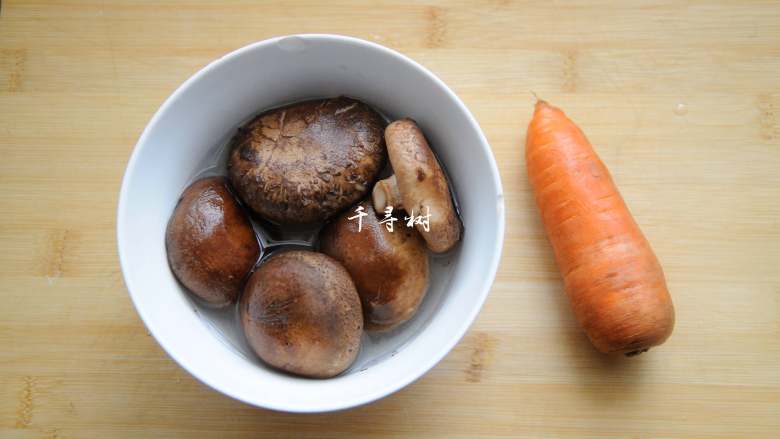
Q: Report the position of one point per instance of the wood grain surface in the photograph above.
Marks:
(681, 99)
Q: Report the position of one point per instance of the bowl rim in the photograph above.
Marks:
(383, 390)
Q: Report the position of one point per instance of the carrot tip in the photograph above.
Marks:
(538, 99)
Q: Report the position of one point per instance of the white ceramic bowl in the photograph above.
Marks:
(203, 112)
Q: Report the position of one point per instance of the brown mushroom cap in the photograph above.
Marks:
(300, 313)
(418, 185)
(390, 269)
(306, 162)
(210, 242)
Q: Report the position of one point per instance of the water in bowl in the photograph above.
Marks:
(376, 346)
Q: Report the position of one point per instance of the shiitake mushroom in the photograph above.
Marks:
(390, 269)
(305, 162)
(300, 313)
(210, 242)
(418, 186)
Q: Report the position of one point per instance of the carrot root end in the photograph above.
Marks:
(636, 352)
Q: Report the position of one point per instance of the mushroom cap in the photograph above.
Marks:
(390, 269)
(422, 184)
(305, 162)
(210, 242)
(300, 313)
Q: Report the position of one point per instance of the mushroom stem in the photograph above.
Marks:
(386, 193)
(421, 182)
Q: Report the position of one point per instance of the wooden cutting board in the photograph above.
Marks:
(681, 99)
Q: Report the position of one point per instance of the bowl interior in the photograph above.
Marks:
(185, 136)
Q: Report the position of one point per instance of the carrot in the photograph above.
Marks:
(614, 282)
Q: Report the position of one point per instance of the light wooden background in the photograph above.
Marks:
(681, 98)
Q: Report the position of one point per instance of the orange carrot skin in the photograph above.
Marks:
(612, 277)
